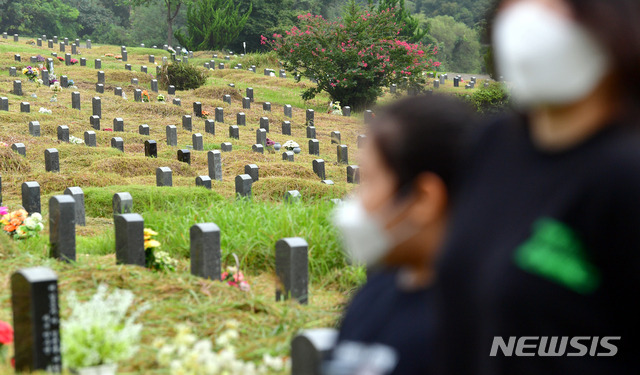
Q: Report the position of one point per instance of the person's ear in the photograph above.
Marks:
(431, 199)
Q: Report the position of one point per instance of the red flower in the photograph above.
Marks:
(6, 333)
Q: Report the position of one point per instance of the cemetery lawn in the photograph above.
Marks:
(249, 229)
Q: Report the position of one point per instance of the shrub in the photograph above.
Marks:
(182, 76)
(353, 59)
(489, 100)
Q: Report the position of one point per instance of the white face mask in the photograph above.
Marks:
(365, 238)
(549, 59)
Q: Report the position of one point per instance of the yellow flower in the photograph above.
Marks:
(148, 244)
(150, 232)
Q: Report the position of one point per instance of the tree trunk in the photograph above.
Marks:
(169, 26)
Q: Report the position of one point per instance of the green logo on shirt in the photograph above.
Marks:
(555, 252)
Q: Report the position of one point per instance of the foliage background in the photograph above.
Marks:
(456, 27)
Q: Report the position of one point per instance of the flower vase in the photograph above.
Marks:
(277, 146)
(98, 370)
(296, 150)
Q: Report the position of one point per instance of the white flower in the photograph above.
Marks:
(36, 216)
(290, 145)
(44, 110)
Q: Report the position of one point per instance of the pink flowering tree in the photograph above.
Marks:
(353, 59)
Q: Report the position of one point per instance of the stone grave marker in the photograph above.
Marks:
(36, 320)
(258, 148)
(52, 160)
(310, 348)
(311, 132)
(117, 143)
(318, 168)
(360, 140)
(62, 228)
(243, 185)
(34, 128)
(241, 119)
(100, 88)
(4, 103)
(143, 129)
(266, 106)
(78, 195)
(264, 123)
(343, 154)
(154, 85)
(353, 174)
(122, 203)
(19, 148)
(205, 251)
(172, 135)
(246, 103)
(288, 110)
(310, 116)
(90, 138)
(335, 137)
(214, 162)
(101, 77)
(118, 124)
(287, 156)
(177, 101)
(292, 196)
(197, 142)
(150, 148)
(25, 107)
(203, 181)
(31, 197)
(234, 132)
(75, 100)
(210, 127)
(286, 127)
(96, 104)
(219, 114)
(226, 99)
(184, 156)
(137, 95)
(261, 136)
(226, 146)
(314, 147)
(94, 121)
(17, 88)
(368, 116)
(171, 90)
(130, 239)
(164, 177)
(197, 109)
(253, 171)
(292, 269)
(186, 123)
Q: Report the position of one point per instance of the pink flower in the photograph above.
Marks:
(4, 211)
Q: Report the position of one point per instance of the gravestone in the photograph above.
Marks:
(143, 129)
(25, 107)
(311, 132)
(253, 171)
(221, 66)
(186, 123)
(130, 239)
(90, 138)
(287, 156)
(264, 123)
(172, 135)
(436, 84)
(219, 114)
(343, 154)
(177, 101)
(368, 116)
(83, 61)
(100, 88)
(210, 127)
(258, 148)
(150, 148)
(335, 137)
(128, 67)
(197, 109)
(214, 159)
(117, 143)
(34, 128)
(353, 174)
(164, 176)
(184, 156)
(292, 269)
(96, 105)
(288, 110)
(310, 348)
(261, 136)
(203, 181)
(17, 58)
(50, 43)
(246, 103)
(88, 44)
(393, 88)
(19, 148)
(64, 82)
(117, 91)
(12, 72)
(4, 103)
(318, 168)
(171, 90)
(118, 124)
(360, 140)
(55, 39)
(78, 195)
(243, 186)
(226, 99)
(154, 85)
(241, 119)
(234, 132)
(292, 196)
(152, 59)
(205, 251)
(122, 203)
(286, 127)
(101, 77)
(314, 147)
(52, 160)
(67, 59)
(197, 142)
(441, 79)
(17, 88)
(36, 320)
(31, 197)
(134, 81)
(95, 122)
(266, 106)
(310, 116)
(137, 95)
(45, 78)
(62, 228)
(63, 133)
(75, 100)
(97, 63)
(225, 146)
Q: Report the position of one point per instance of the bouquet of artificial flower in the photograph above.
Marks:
(156, 259)
(75, 140)
(19, 224)
(290, 145)
(335, 108)
(6, 336)
(31, 72)
(160, 98)
(234, 277)
(145, 96)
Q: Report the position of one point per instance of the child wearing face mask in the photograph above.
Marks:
(394, 226)
(541, 267)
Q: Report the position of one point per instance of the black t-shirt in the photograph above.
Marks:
(543, 244)
(382, 313)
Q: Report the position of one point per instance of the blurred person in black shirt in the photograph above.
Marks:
(541, 267)
(394, 226)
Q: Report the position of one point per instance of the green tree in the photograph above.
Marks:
(458, 45)
(410, 25)
(171, 6)
(267, 17)
(36, 17)
(212, 24)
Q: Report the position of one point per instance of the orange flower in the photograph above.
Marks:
(9, 228)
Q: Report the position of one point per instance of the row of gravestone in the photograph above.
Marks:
(34, 291)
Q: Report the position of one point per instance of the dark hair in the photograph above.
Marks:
(616, 24)
(423, 134)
